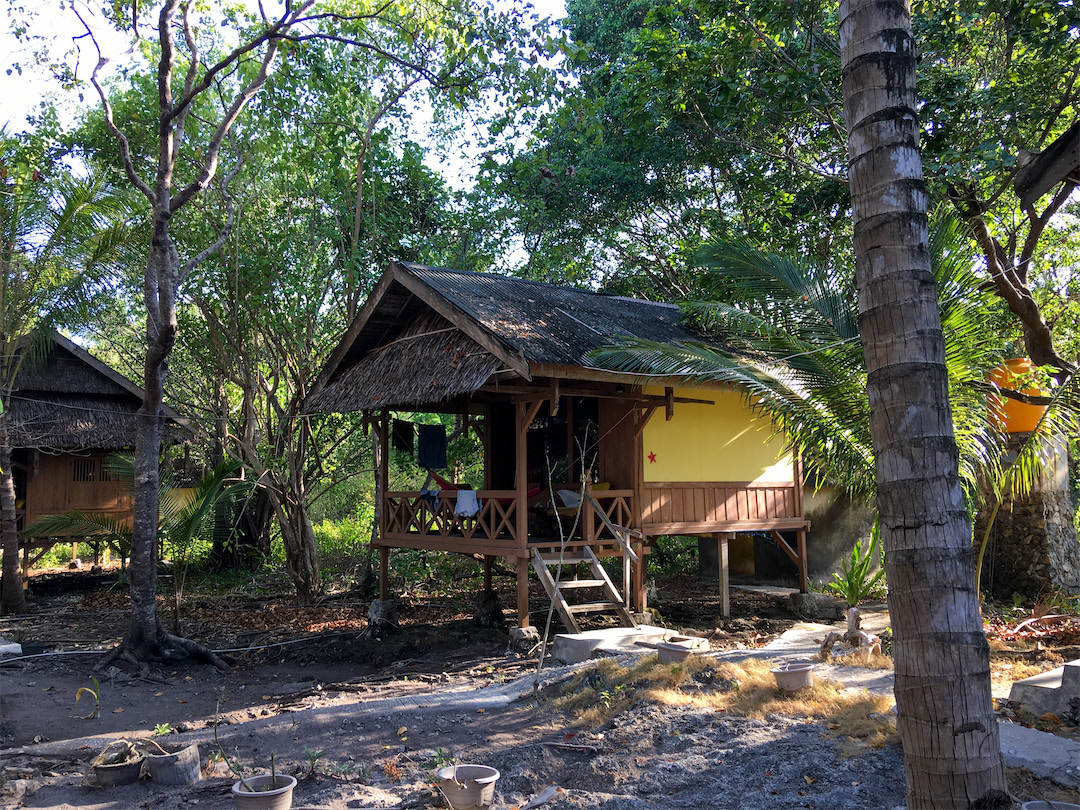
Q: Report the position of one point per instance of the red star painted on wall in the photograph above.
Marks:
(652, 458)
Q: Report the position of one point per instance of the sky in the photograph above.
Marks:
(21, 94)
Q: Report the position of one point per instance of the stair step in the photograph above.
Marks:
(568, 559)
(581, 583)
(593, 607)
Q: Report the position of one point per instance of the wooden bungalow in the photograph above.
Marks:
(67, 412)
(512, 359)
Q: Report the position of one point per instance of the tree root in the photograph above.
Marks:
(853, 637)
(168, 649)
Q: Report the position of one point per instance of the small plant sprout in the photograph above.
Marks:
(313, 757)
(442, 758)
(163, 730)
(95, 693)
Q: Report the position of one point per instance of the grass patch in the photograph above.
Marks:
(605, 689)
(858, 658)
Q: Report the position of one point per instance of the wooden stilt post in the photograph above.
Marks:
(384, 573)
(722, 554)
(488, 562)
(637, 578)
(804, 584)
(523, 591)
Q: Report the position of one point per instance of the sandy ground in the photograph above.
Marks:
(365, 724)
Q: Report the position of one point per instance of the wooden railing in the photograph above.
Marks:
(413, 521)
(671, 507)
(616, 506)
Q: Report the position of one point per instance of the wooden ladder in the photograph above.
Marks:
(610, 601)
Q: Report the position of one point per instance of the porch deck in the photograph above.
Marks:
(413, 521)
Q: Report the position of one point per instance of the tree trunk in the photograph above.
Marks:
(301, 551)
(144, 632)
(13, 599)
(946, 721)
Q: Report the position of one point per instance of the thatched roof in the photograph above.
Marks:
(69, 400)
(451, 364)
(395, 356)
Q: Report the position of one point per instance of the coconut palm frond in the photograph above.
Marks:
(788, 338)
(185, 512)
(802, 293)
(81, 524)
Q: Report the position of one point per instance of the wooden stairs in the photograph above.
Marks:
(605, 596)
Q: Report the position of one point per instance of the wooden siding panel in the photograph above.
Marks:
(696, 505)
(699, 504)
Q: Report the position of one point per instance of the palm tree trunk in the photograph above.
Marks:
(951, 751)
(13, 599)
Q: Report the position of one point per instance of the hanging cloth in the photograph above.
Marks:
(467, 503)
(432, 443)
(402, 434)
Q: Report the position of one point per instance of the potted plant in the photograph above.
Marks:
(119, 763)
(271, 791)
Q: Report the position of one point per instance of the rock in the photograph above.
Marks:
(382, 619)
(488, 612)
(14, 791)
(818, 606)
(524, 640)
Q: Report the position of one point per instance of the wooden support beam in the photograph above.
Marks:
(722, 539)
(643, 420)
(669, 404)
(523, 591)
(553, 408)
(637, 580)
(384, 573)
(489, 560)
(804, 580)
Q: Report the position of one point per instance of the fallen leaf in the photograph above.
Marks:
(832, 726)
(810, 779)
(117, 711)
(402, 730)
(479, 711)
(48, 689)
(158, 694)
(181, 700)
(267, 697)
(1052, 718)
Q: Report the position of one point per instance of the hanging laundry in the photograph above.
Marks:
(467, 503)
(402, 434)
(432, 449)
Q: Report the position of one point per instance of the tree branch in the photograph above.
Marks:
(230, 219)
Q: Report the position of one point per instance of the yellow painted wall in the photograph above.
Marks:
(721, 442)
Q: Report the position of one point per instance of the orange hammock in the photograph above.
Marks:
(452, 487)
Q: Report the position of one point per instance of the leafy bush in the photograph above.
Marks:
(856, 580)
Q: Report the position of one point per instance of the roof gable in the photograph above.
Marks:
(70, 400)
(523, 325)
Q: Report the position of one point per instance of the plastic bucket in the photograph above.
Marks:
(467, 787)
(122, 773)
(261, 796)
(179, 768)
(794, 676)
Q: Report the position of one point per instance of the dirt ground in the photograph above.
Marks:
(307, 687)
